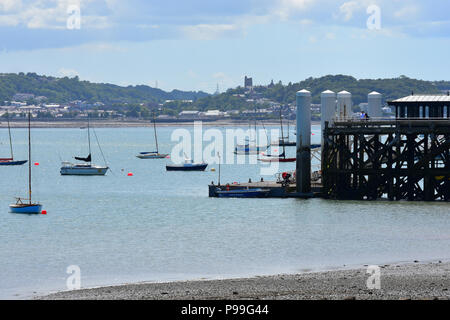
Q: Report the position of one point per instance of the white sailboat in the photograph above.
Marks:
(26, 205)
(83, 169)
(153, 154)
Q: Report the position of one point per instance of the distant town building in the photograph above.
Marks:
(213, 113)
(188, 114)
(23, 96)
(18, 104)
(248, 83)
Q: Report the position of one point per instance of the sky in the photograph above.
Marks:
(199, 44)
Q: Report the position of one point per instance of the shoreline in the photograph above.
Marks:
(399, 281)
(135, 124)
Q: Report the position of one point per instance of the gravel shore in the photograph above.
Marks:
(415, 281)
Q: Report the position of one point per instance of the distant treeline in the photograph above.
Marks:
(61, 90)
(390, 88)
(65, 89)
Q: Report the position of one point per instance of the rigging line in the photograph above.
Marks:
(101, 151)
(267, 137)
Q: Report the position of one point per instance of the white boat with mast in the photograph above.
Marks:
(84, 169)
(26, 205)
(153, 154)
(250, 147)
(10, 161)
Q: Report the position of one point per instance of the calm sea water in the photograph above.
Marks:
(161, 226)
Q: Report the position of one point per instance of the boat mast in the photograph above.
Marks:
(10, 141)
(156, 137)
(282, 134)
(29, 154)
(89, 138)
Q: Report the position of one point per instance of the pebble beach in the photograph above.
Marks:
(410, 281)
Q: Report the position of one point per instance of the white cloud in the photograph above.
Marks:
(209, 31)
(65, 72)
(42, 14)
(408, 12)
(330, 36)
(285, 8)
(10, 5)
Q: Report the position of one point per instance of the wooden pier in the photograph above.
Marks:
(401, 159)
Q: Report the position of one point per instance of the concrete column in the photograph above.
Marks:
(327, 109)
(303, 173)
(374, 99)
(344, 105)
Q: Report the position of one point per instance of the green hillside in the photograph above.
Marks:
(68, 89)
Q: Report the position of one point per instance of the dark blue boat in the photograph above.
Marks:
(188, 165)
(243, 193)
(12, 162)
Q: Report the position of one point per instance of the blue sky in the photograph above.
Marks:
(197, 44)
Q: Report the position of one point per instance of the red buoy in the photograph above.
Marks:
(44, 212)
(130, 174)
(36, 163)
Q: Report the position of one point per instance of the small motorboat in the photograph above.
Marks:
(188, 165)
(243, 193)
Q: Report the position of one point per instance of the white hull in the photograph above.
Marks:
(152, 156)
(83, 170)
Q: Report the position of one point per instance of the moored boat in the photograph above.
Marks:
(243, 193)
(20, 206)
(10, 161)
(188, 165)
(153, 154)
(84, 169)
(70, 169)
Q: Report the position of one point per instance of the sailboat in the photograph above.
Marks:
(10, 161)
(285, 140)
(281, 157)
(83, 169)
(21, 205)
(153, 154)
(250, 146)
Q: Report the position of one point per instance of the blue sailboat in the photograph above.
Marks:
(10, 161)
(26, 205)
